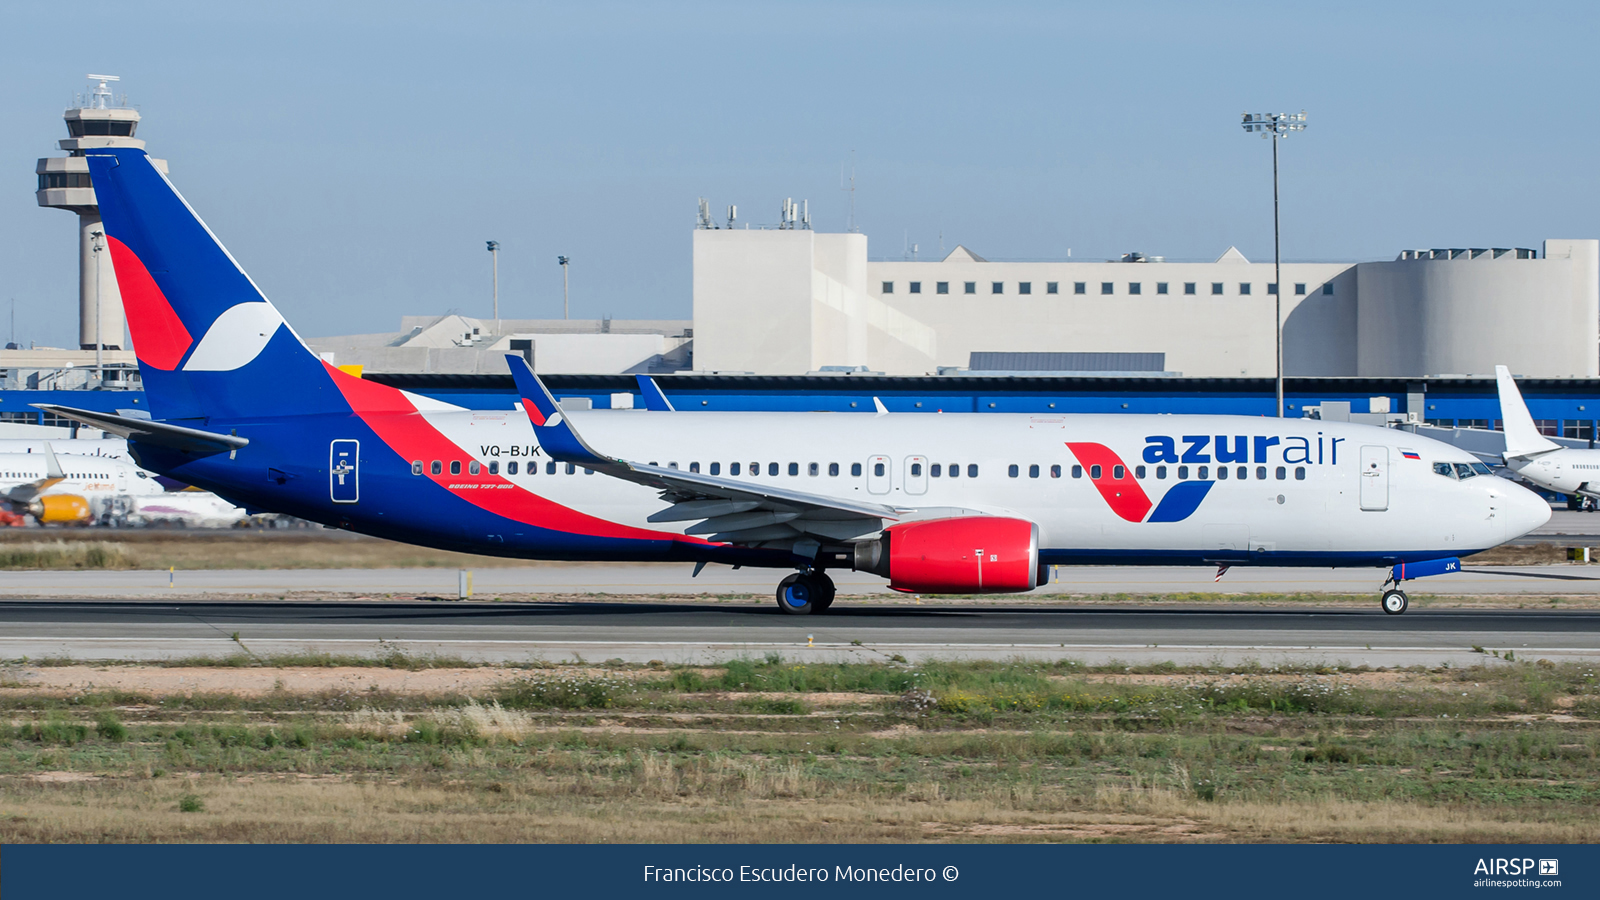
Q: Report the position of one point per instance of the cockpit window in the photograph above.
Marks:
(1444, 469)
(1481, 469)
(1464, 471)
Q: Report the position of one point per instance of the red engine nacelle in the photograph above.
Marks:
(966, 555)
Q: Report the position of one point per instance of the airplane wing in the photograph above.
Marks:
(654, 399)
(730, 511)
(26, 493)
(161, 434)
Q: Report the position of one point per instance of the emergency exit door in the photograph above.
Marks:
(344, 471)
(1375, 478)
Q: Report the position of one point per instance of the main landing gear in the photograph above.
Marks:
(804, 593)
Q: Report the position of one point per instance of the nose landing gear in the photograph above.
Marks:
(804, 593)
(1395, 601)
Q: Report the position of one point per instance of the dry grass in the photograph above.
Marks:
(828, 753)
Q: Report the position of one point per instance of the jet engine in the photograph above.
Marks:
(963, 555)
(60, 509)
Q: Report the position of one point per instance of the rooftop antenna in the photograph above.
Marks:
(704, 218)
(733, 215)
(851, 225)
(101, 96)
(805, 214)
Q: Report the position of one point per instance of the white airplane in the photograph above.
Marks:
(192, 509)
(1531, 455)
(974, 503)
(67, 489)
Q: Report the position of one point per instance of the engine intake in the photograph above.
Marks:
(60, 509)
(963, 555)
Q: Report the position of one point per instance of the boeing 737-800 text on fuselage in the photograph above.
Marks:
(935, 503)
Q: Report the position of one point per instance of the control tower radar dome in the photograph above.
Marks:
(96, 119)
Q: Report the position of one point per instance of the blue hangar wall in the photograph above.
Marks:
(1569, 406)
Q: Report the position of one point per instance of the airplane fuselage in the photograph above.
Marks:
(1102, 489)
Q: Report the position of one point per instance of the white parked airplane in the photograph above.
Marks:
(1531, 455)
(191, 509)
(68, 489)
(934, 503)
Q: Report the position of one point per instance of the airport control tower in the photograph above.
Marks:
(97, 120)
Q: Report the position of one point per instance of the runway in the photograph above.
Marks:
(860, 631)
(655, 579)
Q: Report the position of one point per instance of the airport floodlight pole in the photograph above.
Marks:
(1275, 126)
(99, 339)
(494, 253)
(566, 300)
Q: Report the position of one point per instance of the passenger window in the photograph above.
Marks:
(972, 470)
(673, 464)
(1033, 471)
(935, 469)
(1055, 471)
(772, 469)
(436, 467)
(1205, 472)
(733, 468)
(1464, 471)
(955, 471)
(1261, 473)
(794, 469)
(916, 470)
(1138, 471)
(694, 467)
(511, 468)
(588, 471)
(755, 468)
(1282, 473)
(1243, 473)
(1094, 473)
(1183, 473)
(455, 467)
(1222, 473)
(550, 468)
(716, 468)
(877, 469)
(855, 470)
(1161, 473)
(416, 467)
(1011, 470)
(473, 468)
(813, 470)
(1299, 473)
(571, 469)
(1077, 471)
(494, 467)
(1118, 473)
(833, 469)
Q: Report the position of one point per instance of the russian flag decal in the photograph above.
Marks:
(1410, 454)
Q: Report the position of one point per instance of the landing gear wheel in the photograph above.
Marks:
(1395, 602)
(825, 592)
(797, 594)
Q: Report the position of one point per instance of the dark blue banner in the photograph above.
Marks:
(435, 871)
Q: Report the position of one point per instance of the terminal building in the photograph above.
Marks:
(788, 301)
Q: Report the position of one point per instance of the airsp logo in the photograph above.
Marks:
(1500, 866)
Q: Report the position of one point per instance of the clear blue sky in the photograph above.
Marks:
(356, 156)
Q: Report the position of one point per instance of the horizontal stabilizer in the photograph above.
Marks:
(145, 431)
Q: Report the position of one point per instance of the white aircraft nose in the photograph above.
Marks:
(1522, 510)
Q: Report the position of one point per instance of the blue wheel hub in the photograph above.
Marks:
(797, 595)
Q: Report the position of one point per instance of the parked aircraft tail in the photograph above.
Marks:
(1522, 436)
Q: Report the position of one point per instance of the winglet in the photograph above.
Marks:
(1522, 436)
(555, 433)
(654, 399)
(52, 466)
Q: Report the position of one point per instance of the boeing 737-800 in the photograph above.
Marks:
(935, 503)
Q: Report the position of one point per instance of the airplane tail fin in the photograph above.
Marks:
(1522, 436)
(209, 343)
